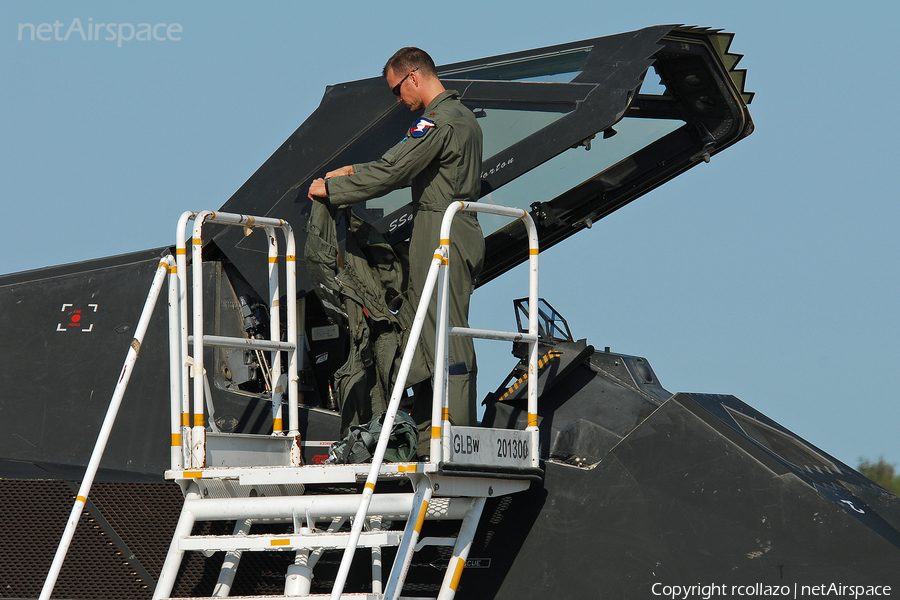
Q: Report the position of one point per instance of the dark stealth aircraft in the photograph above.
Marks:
(633, 490)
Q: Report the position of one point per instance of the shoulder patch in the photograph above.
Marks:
(421, 127)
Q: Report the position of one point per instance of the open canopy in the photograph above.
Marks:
(571, 132)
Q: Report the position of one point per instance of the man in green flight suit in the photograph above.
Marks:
(440, 159)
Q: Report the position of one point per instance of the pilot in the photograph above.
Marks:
(440, 159)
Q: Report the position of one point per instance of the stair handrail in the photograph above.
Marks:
(440, 439)
(438, 268)
(166, 266)
(191, 441)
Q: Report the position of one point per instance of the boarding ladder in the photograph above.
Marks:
(260, 479)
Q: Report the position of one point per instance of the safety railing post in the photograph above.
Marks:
(441, 406)
(274, 345)
(274, 330)
(533, 343)
(182, 357)
(176, 458)
(441, 359)
(532, 337)
(198, 431)
(293, 335)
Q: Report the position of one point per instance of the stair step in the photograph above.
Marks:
(311, 474)
(366, 596)
(367, 539)
(362, 596)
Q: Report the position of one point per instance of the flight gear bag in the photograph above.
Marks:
(359, 445)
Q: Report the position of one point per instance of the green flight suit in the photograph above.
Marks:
(440, 159)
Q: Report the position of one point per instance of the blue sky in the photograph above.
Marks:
(770, 273)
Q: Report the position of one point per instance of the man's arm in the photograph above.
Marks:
(396, 169)
(319, 189)
(348, 170)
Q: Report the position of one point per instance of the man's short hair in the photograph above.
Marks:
(406, 59)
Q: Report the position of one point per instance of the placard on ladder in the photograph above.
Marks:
(492, 447)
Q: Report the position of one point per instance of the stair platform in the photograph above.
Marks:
(448, 479)
(309, 474)
(360, 596)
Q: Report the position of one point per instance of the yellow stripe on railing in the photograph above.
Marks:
(421, 517)
(457, 573)
(176, 440)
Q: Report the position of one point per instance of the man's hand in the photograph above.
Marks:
(348, 170)
(317, 189)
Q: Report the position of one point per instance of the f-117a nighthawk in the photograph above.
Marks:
(586, 477)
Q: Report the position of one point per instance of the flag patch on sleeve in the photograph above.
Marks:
(421, 127)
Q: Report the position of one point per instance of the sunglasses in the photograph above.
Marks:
(396, 88)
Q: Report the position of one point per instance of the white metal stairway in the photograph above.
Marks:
(317, 522)
(260, 479)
